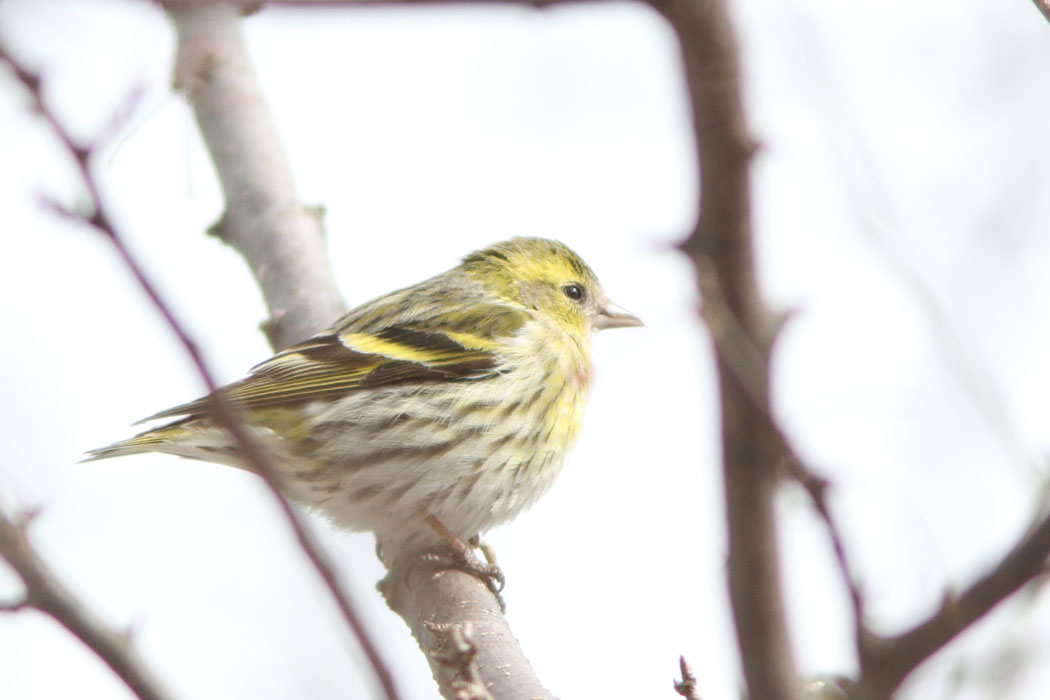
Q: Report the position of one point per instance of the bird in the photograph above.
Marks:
(437, 411)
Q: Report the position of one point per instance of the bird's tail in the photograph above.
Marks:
(189, 437)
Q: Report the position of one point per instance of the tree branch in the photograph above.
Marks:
(101, 221)
(743, 331)
(458, 653)
(44, 592)
(281, 240)
(1044, 8)
(433, 601)
(817, 488)
(887, 661)
(687, 686)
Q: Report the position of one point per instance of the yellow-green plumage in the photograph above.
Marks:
(457, 398)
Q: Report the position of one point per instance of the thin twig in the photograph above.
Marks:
(817, 488)
(44, 592)
(687, 686)
(100, 220)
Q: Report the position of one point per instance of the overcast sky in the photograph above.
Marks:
(901, 211)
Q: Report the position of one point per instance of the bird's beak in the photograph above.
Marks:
(612, 316)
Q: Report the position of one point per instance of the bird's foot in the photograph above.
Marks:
(459, 555)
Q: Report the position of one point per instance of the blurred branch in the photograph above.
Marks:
(101, 221)
(817, 488)
(282, 241)
(866, 188)
(743, 331)
(887, 661)
(1044, 7)
(374, 3)
(44, 592)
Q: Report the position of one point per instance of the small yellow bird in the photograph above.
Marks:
(455, 400)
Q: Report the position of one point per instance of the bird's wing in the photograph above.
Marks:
(344, 358)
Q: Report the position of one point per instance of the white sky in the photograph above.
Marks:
(901, 210)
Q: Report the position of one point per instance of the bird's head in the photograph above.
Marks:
(548, 278)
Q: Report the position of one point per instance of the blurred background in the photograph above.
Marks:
(901, 213)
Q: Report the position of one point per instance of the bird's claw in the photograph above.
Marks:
(466, 561)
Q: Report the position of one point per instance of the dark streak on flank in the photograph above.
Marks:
(388, 454)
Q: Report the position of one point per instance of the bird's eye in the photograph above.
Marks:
(573, 291)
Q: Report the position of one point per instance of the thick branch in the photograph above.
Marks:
(743, 331)
(432, 601)
(282, 241)
(47, 594)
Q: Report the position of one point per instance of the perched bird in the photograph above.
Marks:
(455, 400)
